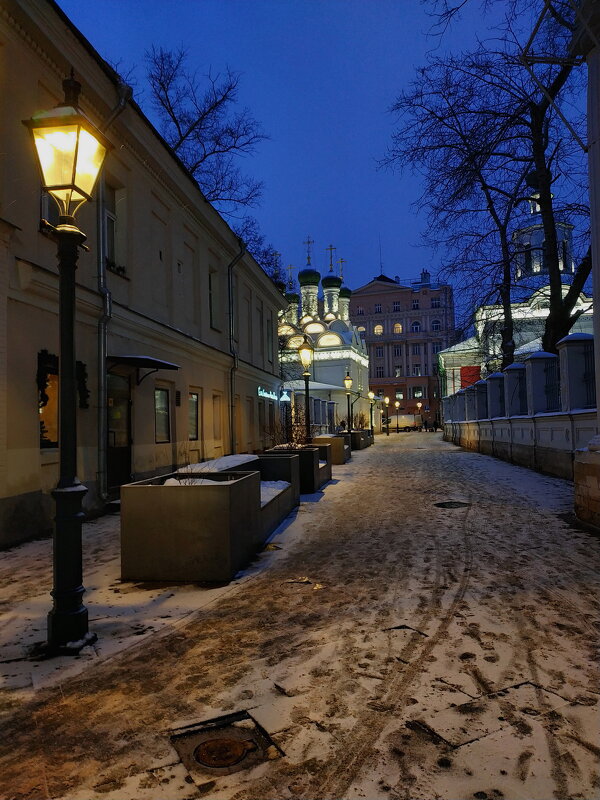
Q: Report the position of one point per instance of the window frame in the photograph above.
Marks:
(159, 390)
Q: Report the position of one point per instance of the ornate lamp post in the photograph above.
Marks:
(371, 396)
(386, 400)
(419, 406)
(70, 152)
(306, 352)
(397, 404)
(348, 385)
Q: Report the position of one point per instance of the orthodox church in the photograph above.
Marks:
(320, 313)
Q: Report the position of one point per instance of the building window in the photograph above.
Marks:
(48, 408)
(400, 394)
(416, 370)
(193, 408)
(379, 351)
(415, 304)
(416, 349)
(398, 371)
(378, 308)
(417, 392)
(378, 330)
(397, 327)
(436, 325)
(396, 306)
(435, 302)
(398, 350)
(162, 421)
(360, 311)
(436, 347)
(416, 327)
(379, 372)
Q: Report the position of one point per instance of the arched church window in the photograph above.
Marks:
(378, 330)
(397, 327)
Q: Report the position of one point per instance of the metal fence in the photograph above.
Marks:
(589, 375)
(552, 387)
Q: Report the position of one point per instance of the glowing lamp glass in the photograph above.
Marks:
(371, 395)
(70, 154)
(386, 400)
(306, 354)
(348, 382)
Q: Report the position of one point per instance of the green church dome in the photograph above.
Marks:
(331, 282)
(309, 277)
(345, 292)
(292, 297)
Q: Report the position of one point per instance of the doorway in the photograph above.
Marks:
(118, 458)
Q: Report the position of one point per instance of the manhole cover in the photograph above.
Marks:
(452, 504)
(223, 752)
(224, 745)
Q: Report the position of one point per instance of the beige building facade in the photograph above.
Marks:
(176, 326)
(404, 327)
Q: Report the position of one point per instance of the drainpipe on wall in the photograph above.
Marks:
(125, 93)
(232, 350)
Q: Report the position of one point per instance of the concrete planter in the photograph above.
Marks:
(359, 439)
(201, 532)
(339, 453)
(311, 476)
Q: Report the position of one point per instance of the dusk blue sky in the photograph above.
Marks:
(320, 76)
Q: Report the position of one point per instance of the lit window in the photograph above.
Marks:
(436, 325)
(400, 394)
(398, 371)
(415, 304)
(378, 330)
(416, 327)
(417, 392)
(416, 370)
(378, 308)
(162, 421)
(397, 327)
(48, 408)
(193, 416)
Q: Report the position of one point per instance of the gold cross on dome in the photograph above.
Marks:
(308, 244)
(331, 249)
(341, 262)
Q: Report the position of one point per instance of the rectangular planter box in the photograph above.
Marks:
(339, 455)
(359, 440)
(310, 474)
(203, 532)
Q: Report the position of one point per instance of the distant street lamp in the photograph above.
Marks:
(306, 352)
(419, 407)
(348, 385)
(386, 400)
(397, 404)
(70, 152)
(371, 396)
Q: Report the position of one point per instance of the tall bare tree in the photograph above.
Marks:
(478, 128)
(200, 120)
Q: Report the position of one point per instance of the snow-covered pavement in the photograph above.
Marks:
(390, 647)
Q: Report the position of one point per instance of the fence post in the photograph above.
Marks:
(470, 403)
(495, 395)
(481, 404)
(577, 374)
(543, 383)
(515, 391)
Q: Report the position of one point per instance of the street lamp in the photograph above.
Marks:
(371, 397)
(419, 406)
(306, 352)
(70, 152)
(386, 400)
(397, 404)
(348, 385)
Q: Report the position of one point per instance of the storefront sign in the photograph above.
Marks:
(284, 397)
(269, 395)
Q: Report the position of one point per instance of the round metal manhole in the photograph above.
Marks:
(452, 504)
(223, 752)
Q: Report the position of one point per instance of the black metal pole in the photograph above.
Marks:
(397, 420)
(349, 412)
(307, 408)
(372, 428)
(68, 619)
(387, 421)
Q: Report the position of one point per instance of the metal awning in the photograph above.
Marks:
(142, 362)
(313, 386)
(148, 362)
